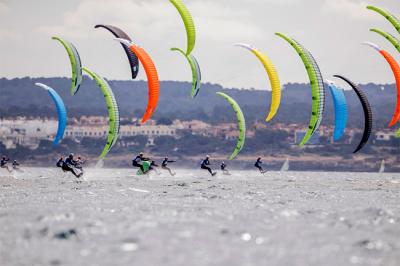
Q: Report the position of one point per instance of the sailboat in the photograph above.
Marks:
(285, 166)
(382, 168)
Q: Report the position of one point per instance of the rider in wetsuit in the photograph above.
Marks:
(136, 162)
(79, 164)
(3, 163)
(60, 162)
(15, 165)
(205, 165)
(69, 165)
(153, 166)
(165, 167)
(223, 169)
(258, 165)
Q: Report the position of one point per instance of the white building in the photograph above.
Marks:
(125, 131)
(29, 133)
(26, 132)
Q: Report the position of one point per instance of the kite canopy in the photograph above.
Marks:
(113, 112)
(341, 111)
(393, 40)
(189, 24)
(367, 112)
(61, 112)
(241, 123)
(317, 87)
(396, 72)
(391, 18)
(76, 64)
(152, 77)
(321, 86)
(196, 73)
(118, 33)
(273, 78)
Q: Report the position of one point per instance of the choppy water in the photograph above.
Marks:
(117, 218)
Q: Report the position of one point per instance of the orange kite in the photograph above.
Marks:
(396, 71)
(152, 77)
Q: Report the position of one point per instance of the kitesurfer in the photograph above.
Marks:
(153, 166)
(137, 161)
(205, 165)
(60, 162)
(165, 167)
(79, 164)
(224, 170)
(3, 163)
(15, 165)
(258, 165)
(69, 165)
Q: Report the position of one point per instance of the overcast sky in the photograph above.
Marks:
(331, 29)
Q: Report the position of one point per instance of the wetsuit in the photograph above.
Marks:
(69, 166)
(224, 170)
(60, 162)
(153, 166)
(258, 165)
(204, 165)
(15, 165)
(165, 167)
(3, 163)
(137, 162)
(79, 164)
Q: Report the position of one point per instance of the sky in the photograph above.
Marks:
(331, 29)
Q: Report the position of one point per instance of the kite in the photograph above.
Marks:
(390, 17)
(273, 78)
(61, 112)
(76, 64)
(367, 112)
(317, 87)
(118, 33)
(241, 123)
(189, 24)
(113, 112)
(341, 110)
(151, 72)
(396, 72)
(196, 73)
(393, 40)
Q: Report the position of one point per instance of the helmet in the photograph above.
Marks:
(141, 153)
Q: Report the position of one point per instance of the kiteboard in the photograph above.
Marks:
(146, 167)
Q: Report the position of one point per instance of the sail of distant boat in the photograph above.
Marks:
(285, 166)
(382, 168)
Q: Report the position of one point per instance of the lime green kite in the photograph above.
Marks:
(196, 73)
(241, 123)
(393, 40)
(390, 17)
(113, 112)
(317, 87)
(189, 24)
(76, 64)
